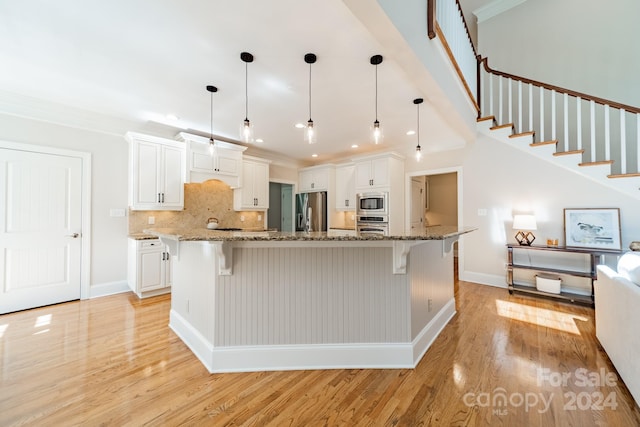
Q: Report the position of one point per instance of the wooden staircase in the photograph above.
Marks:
(599, 171)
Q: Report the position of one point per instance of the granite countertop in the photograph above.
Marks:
(194, 234)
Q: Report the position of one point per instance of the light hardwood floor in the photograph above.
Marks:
(114, 361)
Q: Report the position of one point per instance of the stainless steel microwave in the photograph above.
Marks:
(372, 203)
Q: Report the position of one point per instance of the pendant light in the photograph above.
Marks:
(246, 130)
(310, 133)
(212, 90)
(418, 101)
(376, 130)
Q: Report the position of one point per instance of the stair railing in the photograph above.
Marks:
(447, 23)
(603, 131)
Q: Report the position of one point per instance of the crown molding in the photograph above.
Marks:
(495, 8)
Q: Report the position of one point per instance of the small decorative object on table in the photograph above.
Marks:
(552, 243)
(634, 246)
(524, 223)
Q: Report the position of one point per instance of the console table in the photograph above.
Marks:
(552, 262)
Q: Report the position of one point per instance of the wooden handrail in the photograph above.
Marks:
(466, 28)
(431, 19)
(602, 101)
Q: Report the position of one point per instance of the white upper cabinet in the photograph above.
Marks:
(314, 178)
(222, 161)
(373, 173)
(345, 187)
(253, 195)
(156, 172)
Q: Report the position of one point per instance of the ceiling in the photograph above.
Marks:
(143, 60)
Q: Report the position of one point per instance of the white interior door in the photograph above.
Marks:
(40, 229)
(417, 203)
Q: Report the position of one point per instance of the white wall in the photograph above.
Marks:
(109, 189)
(588, 47)
(502, 179)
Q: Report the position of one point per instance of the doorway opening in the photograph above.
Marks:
(280, 213)
(435, 199)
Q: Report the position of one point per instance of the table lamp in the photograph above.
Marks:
(524, 223)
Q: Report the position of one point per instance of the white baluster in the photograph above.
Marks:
(531, 108)
(638, 142)
(510, 99)
(520, 106)
(491, 113)
(579, 124)
(500, 102)
(541, 114)
(553, 114)
(623, 142)
(607, 134)
(592, 108)
(566, 122)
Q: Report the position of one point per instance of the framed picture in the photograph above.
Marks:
(592, 228)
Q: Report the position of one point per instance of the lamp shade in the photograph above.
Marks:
(524, 222)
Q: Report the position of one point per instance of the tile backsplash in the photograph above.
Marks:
(210, 199)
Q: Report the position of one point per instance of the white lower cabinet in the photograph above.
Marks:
(149, 269)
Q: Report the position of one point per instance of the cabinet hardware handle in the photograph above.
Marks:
(162, 197)
(346, 202)
(162, 256)
(74, 235)
(158, 197)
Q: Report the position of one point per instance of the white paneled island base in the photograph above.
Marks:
(320, 304)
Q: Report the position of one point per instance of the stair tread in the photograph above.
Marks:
(600, 162)
(529, 133)
(508, 125)
(482, 119)
(541, 143)
(624, 175)
(565, 153)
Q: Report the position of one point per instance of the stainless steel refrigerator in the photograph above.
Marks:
(311, 211)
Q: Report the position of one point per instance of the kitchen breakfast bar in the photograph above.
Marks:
(258, 301)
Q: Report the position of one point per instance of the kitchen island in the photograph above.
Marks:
(253, 301)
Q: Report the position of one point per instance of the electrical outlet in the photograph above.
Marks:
(429, 304)
(242, 218)
(152, 220)
(482, 212)
(259, 217)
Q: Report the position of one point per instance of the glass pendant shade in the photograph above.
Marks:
(376, 133)
(310, 135)
(246, 131)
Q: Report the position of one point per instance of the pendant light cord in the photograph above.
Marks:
(246, 91)
(418, 132)
(309, 92)
(211, 109)
(376, 92)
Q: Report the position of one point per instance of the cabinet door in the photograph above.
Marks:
(261, 185)
(228, 162)
(248, 178)
(345, 188)
(146, 174)
(172, 185)
(305, 178)
(150, 269)
(363, 174)
(380, 172)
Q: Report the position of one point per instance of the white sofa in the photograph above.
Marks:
(617, 307)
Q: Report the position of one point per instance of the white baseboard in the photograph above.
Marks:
(484, 279)
(430, 332)
(310, 356)
(110, 288)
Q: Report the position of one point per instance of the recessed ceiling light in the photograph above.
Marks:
(411, 132)
(259, 140)
(299, 125)
(354, 146)
(172, 117)
(314, 155)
